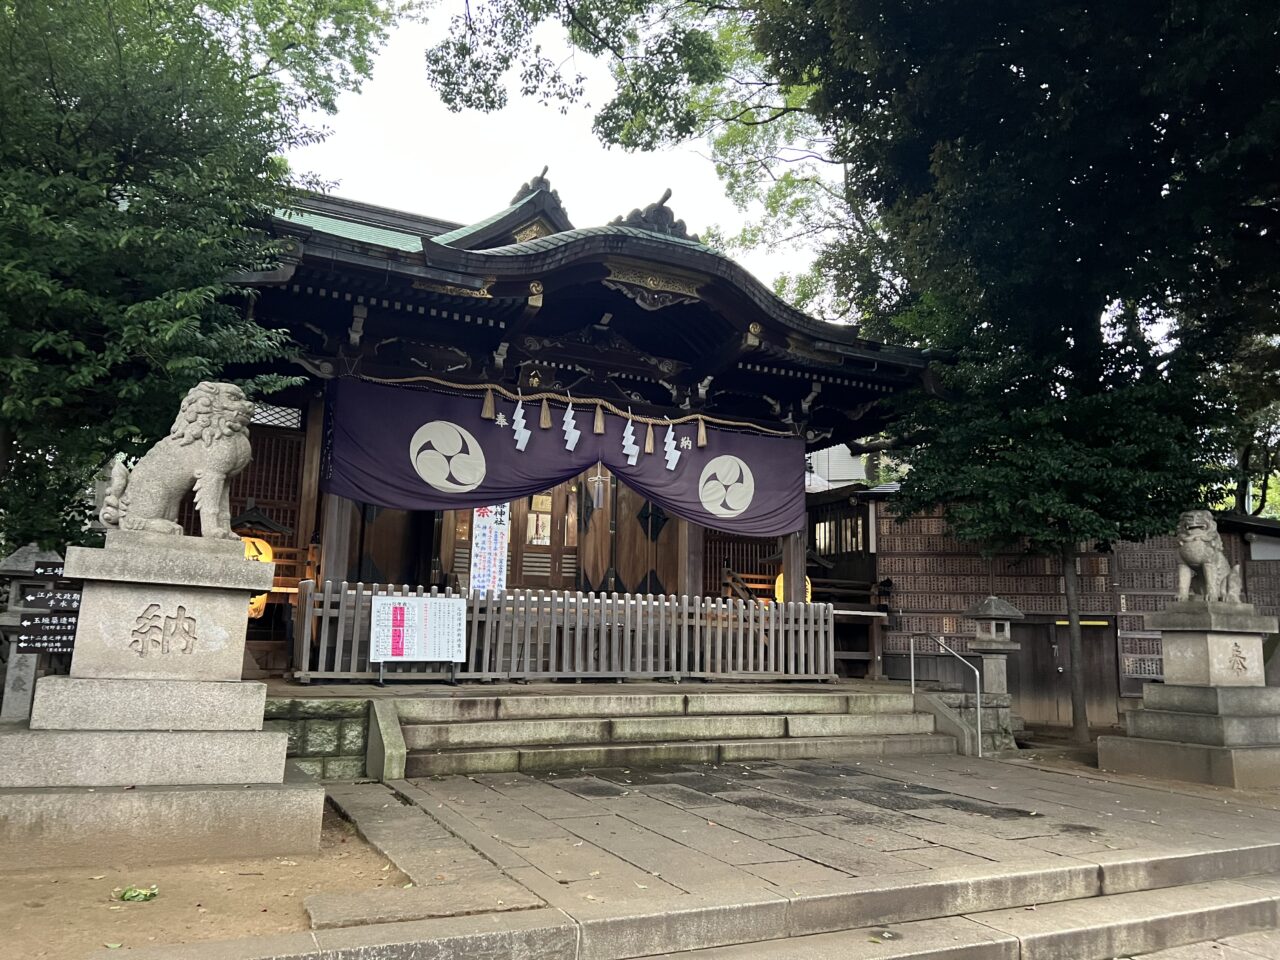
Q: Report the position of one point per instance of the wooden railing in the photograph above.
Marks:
(763, 587)
(543, 634)
(293, 565)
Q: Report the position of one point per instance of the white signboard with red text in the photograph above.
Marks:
(490, 539)
(418, 628)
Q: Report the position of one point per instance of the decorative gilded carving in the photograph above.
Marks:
(651, 290)
(532, 231)
(452, 291)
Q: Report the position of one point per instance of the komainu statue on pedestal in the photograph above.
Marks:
(207, 445)
(1204, 572)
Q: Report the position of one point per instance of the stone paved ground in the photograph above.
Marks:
(645, 837)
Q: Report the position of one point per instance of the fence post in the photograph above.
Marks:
(303, 623)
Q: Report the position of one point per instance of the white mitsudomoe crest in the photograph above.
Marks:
(447, 457)
(726, 486)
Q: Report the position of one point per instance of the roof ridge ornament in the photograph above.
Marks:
(540, 182)
(656, 218)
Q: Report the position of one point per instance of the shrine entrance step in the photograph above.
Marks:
(493, 734)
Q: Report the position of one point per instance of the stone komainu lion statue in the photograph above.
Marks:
(1203, 569)
(207, 445)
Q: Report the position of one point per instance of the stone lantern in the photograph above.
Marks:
(994, 641)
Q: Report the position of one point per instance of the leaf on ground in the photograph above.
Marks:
(113, 946)
(98, 877)
(132, 894)
(408, 885)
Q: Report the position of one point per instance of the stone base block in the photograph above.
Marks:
(163, 608)
(1220, 701)
(73, 827)
(71, 703)
(100, 758)
(135, 556)
(1200, 615)
(1213, 657)
(160, 632)
(1243, 768)
(1216, 731)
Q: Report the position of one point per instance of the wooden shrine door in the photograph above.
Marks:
(544, 539)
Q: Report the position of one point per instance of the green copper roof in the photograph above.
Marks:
(359, 232)
(473, 228)
(616, 230)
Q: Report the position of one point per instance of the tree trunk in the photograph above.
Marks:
(6, 449)
(1243, 480)
(1079, 708)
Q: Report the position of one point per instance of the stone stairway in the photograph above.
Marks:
(1196, 922)
(498, 734)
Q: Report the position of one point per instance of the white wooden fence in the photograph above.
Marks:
(542, 634)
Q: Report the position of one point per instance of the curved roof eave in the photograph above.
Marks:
(587, 244)
(536, 205)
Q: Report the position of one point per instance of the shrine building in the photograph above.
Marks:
(633, 406)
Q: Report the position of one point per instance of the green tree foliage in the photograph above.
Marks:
(1068, 184)
(140, 147)
(1079, 201)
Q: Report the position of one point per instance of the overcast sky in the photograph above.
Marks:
(396, 145)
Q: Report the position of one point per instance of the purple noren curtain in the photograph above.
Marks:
(429, 449)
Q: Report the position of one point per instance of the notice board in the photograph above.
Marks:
(418, 628)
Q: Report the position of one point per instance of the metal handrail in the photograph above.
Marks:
(977, 676)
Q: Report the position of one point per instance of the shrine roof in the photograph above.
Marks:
(359, 232)
(535, 207)
(336, 230)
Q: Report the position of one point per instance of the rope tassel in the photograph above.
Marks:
(702, 433)
(648, 440)
(545, 420)
(486, 409)
(599, 424)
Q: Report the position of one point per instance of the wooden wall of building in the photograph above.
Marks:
(626, 544)
(936, 577)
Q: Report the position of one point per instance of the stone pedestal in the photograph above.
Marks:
(1212, 644)
(1213, 720)
(160, 607)
(153, 724)
(995, 662)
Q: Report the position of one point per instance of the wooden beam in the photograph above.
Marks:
(311, 450)
(691, 540)
(335, 537)
(794, 556)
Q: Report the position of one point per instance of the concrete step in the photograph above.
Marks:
(414, 710)
(503, 733)
(111, 758)
(584, 756)
(825, 748)
(864, 725)
(527, 733)
(1259, 945)
(81, 826)
(1097, 928)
